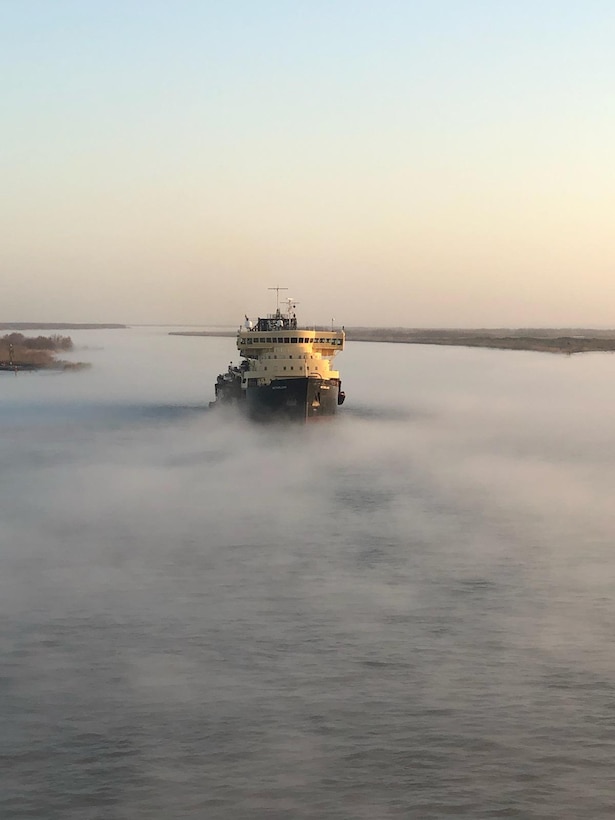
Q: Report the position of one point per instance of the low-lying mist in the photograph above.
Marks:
(261, 618)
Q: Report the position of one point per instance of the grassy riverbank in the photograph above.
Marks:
(543, 340)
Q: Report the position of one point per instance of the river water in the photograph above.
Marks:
(405, 612)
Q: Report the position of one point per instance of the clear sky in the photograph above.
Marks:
(393, 162)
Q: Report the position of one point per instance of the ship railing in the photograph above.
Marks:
(272, 323)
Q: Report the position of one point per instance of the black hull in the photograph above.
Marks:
(299, 399)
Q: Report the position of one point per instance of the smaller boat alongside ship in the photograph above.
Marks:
(285, 371)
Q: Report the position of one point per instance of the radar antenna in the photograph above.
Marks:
(277, 296)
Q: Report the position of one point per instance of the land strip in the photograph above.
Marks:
(543, 340)
(57, 326)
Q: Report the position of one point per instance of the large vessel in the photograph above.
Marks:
(285, 370)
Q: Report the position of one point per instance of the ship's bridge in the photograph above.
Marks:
(253, 342)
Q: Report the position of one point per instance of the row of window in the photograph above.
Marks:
(290, 340)
(284, 368)
(274, 356)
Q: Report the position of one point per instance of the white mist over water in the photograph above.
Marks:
(404, 612)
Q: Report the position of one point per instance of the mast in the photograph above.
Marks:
(277, 297)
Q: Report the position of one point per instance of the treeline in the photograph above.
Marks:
(19, 352)
(54, 342)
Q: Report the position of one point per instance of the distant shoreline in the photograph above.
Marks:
(540, 340)
(58, 326)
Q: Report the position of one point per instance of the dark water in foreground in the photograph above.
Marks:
(405, 613)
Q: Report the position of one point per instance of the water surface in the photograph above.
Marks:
(403, 612)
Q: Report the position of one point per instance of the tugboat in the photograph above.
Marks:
(285, 372)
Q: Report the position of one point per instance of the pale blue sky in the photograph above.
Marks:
(417, 163)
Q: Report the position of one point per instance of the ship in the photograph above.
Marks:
(286, 369)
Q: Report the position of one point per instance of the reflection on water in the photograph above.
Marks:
(404, 613)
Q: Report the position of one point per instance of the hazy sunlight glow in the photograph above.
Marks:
(400, 163)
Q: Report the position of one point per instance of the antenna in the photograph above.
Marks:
(277, 296)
